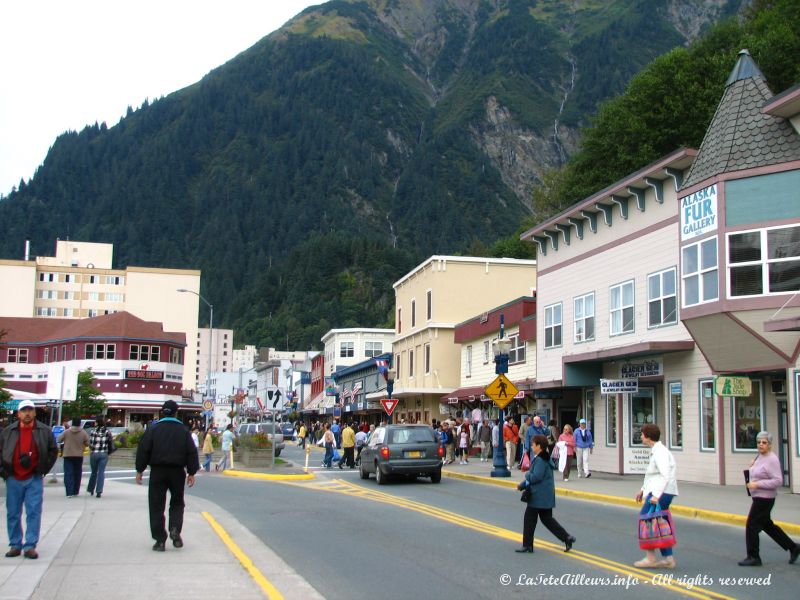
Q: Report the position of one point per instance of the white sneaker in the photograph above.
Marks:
(566, 480)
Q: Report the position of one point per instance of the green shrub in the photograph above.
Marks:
(129, 440)
(255, 441)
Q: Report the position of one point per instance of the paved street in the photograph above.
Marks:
(337, 536)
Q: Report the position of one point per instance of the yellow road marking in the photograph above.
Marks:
(270, 591)
(341, 486)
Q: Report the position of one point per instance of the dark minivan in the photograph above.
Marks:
(410, 450)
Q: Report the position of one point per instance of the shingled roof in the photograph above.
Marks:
(741, 136)
(121, 325)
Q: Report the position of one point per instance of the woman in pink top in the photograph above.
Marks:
(766, 476)
(569, 440)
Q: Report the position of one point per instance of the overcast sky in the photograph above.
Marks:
(65, 64)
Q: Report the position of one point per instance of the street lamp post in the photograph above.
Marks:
(390, 376)
(210, 343)
(501, 349)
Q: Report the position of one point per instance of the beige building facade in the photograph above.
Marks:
(350, 346)
(79, 282)
(673, 297)
(430, 301)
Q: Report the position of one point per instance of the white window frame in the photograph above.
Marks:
(621, 308)
(764, 262)
(554, 325)
(662, 297)
(347, 349)
(584, 318)
(487, 352)
(611, 427)
(687, 277)
(372, 348)
(429, 304)
(468, 361)
(675, 422)
(757, 385)
(701, 405)
(517, 348)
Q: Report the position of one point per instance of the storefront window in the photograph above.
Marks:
(747, 420)
(642, 412)
(675, 415)
(707, 416)
(611, 420)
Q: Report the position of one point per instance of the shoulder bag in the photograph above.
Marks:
(656, 529)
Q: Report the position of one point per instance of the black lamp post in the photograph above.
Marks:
(500, 348)
(390, 376)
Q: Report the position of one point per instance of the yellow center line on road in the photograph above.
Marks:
(340, 486)
(270, 591)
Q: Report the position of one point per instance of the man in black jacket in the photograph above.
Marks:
(28, 452)
(168, 448)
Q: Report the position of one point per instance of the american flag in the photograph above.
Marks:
(356, 389)
(383, 367)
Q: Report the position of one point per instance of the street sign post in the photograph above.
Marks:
(501, 390)
(208, 405)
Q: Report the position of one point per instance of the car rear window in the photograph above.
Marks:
(411, 435)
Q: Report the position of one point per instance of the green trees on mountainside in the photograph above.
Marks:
(671, 102)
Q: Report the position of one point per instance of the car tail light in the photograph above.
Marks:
(440, 451)
(385, 452)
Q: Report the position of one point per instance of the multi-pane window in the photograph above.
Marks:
(584, 318)
(662, 299)
(517, 352)
(47, 355)
(468, 364)
(46, 294)
(552, 325)
(707, 416)
(621, 311)
(611, 419)
(347, 349)
(175, 356)
(46, 311)
(427, 358)
(764, 262)
(486, 352)
(18, 355)
(48, 277)
(373, 349)
(100, 351)
(429, 310)
(699, 272)
(74, 351)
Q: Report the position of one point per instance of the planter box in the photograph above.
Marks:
(251, 457)
(123, 457)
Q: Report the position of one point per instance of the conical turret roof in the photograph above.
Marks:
(741, 136)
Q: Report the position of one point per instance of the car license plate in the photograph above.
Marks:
(414, 454)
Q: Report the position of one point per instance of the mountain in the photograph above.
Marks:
(383, 129)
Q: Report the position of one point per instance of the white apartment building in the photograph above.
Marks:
(244, 358)
(79, 282)
(347, 347)
(214, 346)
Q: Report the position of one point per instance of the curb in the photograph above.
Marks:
(683, 511)
(268, 476)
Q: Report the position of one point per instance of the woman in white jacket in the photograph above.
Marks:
(659, 487)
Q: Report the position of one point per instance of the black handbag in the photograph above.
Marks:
(111, 446)
(526, 495)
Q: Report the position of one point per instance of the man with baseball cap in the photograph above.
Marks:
(168, 448)
(28, 450)
(583, 448)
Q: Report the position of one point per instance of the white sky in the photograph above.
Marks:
(65, 64)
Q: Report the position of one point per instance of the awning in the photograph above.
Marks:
(466, 394)
(313, 404)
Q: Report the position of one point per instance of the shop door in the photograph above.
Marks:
(567, 416)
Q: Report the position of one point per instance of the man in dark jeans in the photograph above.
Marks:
(168, 448)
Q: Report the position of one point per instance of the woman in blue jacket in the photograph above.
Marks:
(543, 497)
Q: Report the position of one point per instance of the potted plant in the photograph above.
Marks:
(255, 449)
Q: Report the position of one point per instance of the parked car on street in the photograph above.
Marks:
(270, 428)
(410, 450)
(287, 429)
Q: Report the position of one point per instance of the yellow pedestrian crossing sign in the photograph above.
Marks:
(501, 390)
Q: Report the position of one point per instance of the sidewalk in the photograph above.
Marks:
(94, 549)
(724, 504)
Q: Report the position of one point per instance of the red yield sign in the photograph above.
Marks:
(389, 405)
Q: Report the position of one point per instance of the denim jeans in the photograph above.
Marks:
(73, 469)
(207, 463)
(663, 504)
(98, 462)
(27, 492)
